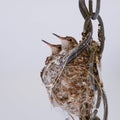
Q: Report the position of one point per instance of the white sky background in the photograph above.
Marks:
(23, 23)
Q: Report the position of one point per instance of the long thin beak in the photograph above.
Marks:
(47, 43)
(62, 38)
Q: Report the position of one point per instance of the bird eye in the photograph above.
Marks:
(70, 39)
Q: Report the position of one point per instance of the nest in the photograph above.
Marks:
(70, 87)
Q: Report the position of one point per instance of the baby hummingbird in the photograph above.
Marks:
(55, 51)
(67, 42)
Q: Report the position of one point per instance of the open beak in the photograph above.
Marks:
(49, 44)
(62, 38)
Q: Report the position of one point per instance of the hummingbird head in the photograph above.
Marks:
(68, 42)
(55, 48)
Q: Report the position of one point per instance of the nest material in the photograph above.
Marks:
(73, 90)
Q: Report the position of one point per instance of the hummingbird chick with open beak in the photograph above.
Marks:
(67, 42)
(58, 52)
(55, 51)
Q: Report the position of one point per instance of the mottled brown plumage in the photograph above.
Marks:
(70, 86)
